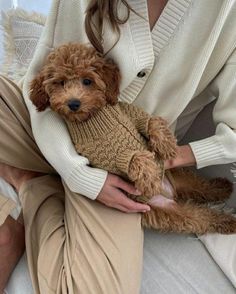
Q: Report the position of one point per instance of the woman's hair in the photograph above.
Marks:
(103, 9)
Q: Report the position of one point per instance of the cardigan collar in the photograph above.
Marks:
(167, 24)
(149, 44)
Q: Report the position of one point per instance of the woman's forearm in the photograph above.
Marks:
(54, 141)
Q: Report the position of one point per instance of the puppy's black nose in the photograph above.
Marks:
(74, 104)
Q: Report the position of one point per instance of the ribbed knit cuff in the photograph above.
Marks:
(142, 125)
(87, 181)
(207, 152)
(123, 161)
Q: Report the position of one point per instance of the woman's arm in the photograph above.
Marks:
(184, 157)
(49, 129)
(54, 141)
(220, 148)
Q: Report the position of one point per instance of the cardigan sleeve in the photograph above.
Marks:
(49, 129)
(221, 147)
(54, 141)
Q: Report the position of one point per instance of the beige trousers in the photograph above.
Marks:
(73, 244)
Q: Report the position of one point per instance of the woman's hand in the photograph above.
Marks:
(185, 157)
(112, 195)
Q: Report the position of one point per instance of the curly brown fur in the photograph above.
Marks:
(161, 139)
(190, 186)
(63, 76)
(189, 218)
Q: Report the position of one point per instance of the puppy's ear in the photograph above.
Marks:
(111, 77)
(37, 93)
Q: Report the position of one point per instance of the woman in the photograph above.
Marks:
(172, 65)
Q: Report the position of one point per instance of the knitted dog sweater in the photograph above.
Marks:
(111, 137)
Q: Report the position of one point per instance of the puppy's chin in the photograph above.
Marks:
(79, 116)
(82, 114)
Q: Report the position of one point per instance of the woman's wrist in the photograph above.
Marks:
(87, 181)
(185, 157)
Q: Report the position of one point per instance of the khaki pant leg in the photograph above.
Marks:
(86, 248)
(17, 146)
(106, 247)
(79, 246)
(42, 200)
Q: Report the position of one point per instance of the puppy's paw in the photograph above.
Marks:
(161, 139)
(145, 173)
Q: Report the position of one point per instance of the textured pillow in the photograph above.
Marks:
(21, 33)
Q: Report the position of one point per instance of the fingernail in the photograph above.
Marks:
(146, 210)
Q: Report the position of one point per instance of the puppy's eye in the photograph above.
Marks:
(87, 82)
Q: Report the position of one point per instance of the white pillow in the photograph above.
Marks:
(21, 33)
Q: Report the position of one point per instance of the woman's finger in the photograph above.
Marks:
(125, 186)
(129, 204)
(168, 164)
(121, 208)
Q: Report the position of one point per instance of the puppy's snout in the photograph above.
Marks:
(74, 104)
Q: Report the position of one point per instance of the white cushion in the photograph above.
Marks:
(21, 33)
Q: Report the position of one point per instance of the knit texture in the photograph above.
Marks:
(111, 137)
(188, 57)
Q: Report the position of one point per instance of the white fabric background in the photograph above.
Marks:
(41, 6)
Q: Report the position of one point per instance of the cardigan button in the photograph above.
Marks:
(141, 74)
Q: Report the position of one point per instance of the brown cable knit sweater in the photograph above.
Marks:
(110, 138)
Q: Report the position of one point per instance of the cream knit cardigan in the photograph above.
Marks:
(187, 60)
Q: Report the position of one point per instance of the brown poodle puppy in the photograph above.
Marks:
(83, 87)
